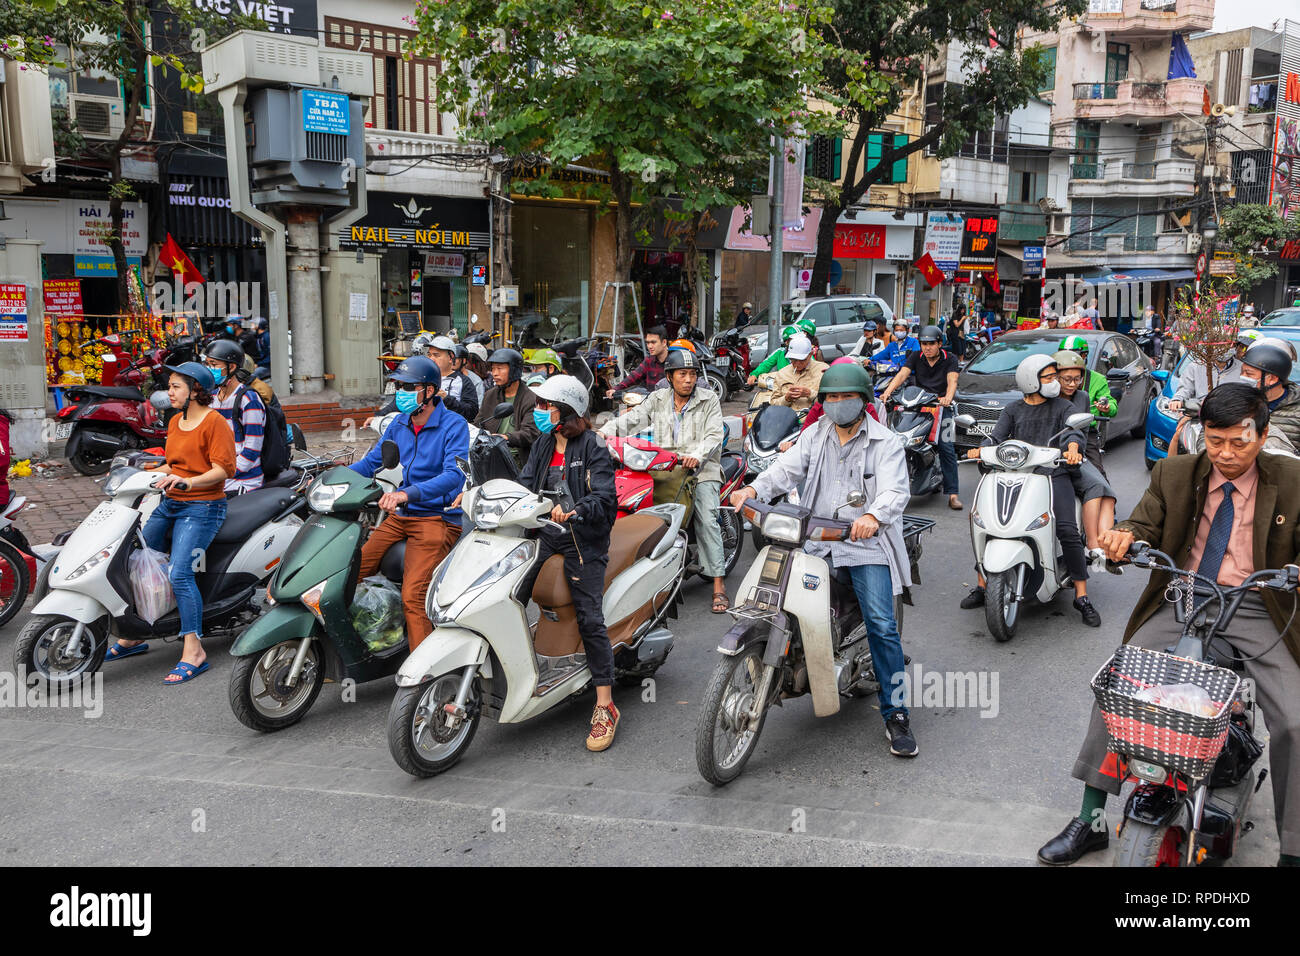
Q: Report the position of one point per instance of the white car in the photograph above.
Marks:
(839, 320)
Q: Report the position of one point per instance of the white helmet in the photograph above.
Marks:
(566, 390)
(443, 344)
(1029, 369)
(478, 350)
(421, 343)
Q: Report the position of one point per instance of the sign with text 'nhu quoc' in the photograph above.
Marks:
(325, 111)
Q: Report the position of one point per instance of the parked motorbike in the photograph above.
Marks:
(90, 600)
(914, 416)
(485, 658)
(731, 357)
(1194, 772)
(798, 630)
(20, 566)
(1013, 528)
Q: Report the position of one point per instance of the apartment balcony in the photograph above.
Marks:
(1131, 20)
(398, 161)
(1110, 178)
(1138, 99)
(1131, 252)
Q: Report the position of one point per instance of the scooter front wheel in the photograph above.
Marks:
(1001, 609)
(48, 646)
(724, 739)
(418, 737)
(260, 695)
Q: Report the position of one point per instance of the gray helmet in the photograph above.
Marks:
(508, 357)
(930, 334)
(1270, 359)
(1029, 369)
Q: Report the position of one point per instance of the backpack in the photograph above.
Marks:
(275, 444)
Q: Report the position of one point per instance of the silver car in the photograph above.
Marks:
(839, 320)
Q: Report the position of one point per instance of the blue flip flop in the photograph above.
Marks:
(185, 672)
(117, 651)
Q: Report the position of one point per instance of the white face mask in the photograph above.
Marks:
(1049, 389)
(900, 333)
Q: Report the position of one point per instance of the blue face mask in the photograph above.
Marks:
(543, 421)
(218, 374)
(407, 401)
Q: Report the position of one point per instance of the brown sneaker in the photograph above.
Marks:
(604, 721)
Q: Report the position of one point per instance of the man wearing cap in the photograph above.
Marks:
(745, 315)
(796, 384)
(457, 391)
(935, 371)
(1051, 321)
(423, 511)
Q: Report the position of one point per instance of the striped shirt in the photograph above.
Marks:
(248, 453)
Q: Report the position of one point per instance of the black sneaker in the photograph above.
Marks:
(1089, 613)
(899, 731)
(974, 599)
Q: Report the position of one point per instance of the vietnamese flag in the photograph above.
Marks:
(173, 257)
(932, 273)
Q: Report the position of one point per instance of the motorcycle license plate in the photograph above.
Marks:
(722, 361)
(982, 428)
(62, 430)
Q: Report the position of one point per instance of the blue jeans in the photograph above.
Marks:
(190, 527)
(874, 587)
(947, 450)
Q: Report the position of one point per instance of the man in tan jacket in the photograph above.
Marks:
(796, 385)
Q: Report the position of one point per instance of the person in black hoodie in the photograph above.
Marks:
(572, 458)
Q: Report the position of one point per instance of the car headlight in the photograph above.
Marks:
(1012, 456)
(311, 599)
(321, 497)
(90, 564)
(1159, 444)
(783, 528)
(488, 511)
(638, 459)
(1162, 406)
(1040, 521)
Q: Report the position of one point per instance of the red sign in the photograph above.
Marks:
(1200, 266)
(932, 273)
(979, 244)
(854, 241)
(63, 296)
(1290, 252)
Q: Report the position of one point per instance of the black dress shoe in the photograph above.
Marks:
(974, 599)
(1088, 612)
(1073, 842)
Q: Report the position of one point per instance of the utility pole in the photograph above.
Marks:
(775, 278)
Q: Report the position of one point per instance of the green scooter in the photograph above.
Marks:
(307, 635)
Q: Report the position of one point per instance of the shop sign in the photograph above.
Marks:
(1011, 297)
(443, 264)
(793, 238)
(13, 312)
(63, 296)
(979, 244)
(1290, 251)
(182, 194)
(407, 221)
(287, 16)
(943, 241)
(858, 241)
(478, 275)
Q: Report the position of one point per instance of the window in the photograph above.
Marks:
(849, 313)
(404, 88)
(820, 313)
(1049, 61)
(1087, 140)
(875, 149)
(1111, 357)
(823, 156)
(1116, 62)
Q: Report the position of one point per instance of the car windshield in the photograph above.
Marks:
(1282, 317)
(1002, 357)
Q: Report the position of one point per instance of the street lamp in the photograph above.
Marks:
(1210, 230)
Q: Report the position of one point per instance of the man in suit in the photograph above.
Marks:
(1226, 513)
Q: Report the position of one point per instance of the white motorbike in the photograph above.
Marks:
(1013, 528)
(485, 657)
(90, 603)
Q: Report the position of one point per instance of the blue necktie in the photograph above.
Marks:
(1216, 543)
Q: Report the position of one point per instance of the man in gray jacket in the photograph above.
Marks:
(843, 452)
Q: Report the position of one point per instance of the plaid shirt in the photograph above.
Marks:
(648, 374)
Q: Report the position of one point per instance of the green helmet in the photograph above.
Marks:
(1074, 343)
(788, 332)
(847, 377)
(544, 357)
(807, 326)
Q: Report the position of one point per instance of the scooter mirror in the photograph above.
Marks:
(299, 439)
(389, 454)
(965, 421)
(1081, 420)
(504, 410)
(857, 499)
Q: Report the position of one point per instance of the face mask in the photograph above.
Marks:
(1049, 389)
(900, 333)
(844, 412)
(218, 374)
(230, 329)
(407, 401)
(543, 421)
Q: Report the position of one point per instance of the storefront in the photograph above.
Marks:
(428, 247)
(746, 257)
(665, 283)
(872, 250)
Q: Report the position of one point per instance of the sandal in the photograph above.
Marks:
(118, 651)
(720, 602)
(185, 671)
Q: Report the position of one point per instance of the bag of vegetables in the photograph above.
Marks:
(377, 613)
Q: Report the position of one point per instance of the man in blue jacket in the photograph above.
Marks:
(421, 511)
(895, 353)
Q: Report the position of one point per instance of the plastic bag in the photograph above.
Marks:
(150, 585)
(1189, 698)
(377, 613)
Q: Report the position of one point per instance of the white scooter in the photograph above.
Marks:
(484, 657)
(1013, 528)
(90, 601)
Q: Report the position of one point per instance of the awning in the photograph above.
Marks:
(1114, 276)
(1010, 266)
(1061, 260)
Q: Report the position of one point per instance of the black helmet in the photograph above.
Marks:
(1269, 358)
(461, 353)
(508, 357)
(224, 350)
(418, 370)
(681, 358)
(930, 334)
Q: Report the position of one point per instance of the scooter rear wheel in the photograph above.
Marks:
(421, 746)
(259, 696)
(1146, 845)
(15, 581)
(1001, 609)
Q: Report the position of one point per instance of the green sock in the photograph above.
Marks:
(1287, 859)
(1093, 800)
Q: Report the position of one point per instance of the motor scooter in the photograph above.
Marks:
(798, 630)
(731, 357)
(486, 658)
(1013, 527)
(90, 600)
(914, 417)
(20, 565)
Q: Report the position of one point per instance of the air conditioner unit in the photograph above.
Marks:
(97, 117)
(1059, 225)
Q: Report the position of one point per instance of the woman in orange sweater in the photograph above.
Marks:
(200, 457)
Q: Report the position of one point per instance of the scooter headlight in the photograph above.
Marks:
(918, 437)
(1148, 771)
(976, 519)
(785, 528)
(633, 503)
(89, 565)
(520, 555)
(638, 459)
(119, 473)
(488, 511)
(1012, 455)
(321, 497)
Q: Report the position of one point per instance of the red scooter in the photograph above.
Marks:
(638, 458)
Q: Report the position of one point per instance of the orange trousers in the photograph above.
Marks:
(427, 542)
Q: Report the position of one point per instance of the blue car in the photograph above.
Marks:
(1161, 422)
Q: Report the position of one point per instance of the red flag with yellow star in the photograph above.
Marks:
(173, 257)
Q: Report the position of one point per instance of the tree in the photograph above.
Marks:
(893, 39)
(671, 100)
(113, 36)
(1251, 230)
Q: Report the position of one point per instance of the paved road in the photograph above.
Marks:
(168, 775)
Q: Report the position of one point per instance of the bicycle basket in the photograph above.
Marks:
(1180, 741)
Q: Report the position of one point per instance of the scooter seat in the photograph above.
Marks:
(109, 391)
(732, 465)
(632, 538)
(245, 513)
(287, 478)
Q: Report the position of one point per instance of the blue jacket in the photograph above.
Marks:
(431, 479)
(896, 352)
